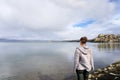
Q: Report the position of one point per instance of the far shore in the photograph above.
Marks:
(101, 38)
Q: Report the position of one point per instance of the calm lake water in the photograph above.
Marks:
(49, 59)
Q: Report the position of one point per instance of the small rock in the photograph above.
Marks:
(111, 65)
(105, 69)
(99, 70)
(90, 75)
(109, 68)
(99, 75)
(96, 78)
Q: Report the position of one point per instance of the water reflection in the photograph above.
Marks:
(48, 61)
(108, 46)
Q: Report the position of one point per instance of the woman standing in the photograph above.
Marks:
(83, 60)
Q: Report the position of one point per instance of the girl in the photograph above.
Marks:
(83, 60)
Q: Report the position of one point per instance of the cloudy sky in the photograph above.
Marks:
(58, 19)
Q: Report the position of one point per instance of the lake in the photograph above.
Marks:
(48, 60)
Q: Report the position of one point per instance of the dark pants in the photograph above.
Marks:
(82, 74)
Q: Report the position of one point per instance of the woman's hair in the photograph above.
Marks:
(83, 40)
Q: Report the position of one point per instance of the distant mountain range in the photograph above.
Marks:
(18, 40)
(99, 38)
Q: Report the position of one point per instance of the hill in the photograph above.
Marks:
(107, 38)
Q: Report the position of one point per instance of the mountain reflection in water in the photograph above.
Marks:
(108, 46)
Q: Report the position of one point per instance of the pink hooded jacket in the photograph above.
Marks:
(83, 59)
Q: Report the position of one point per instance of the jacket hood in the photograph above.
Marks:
(85, 50)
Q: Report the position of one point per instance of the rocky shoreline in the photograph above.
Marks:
(111, 72)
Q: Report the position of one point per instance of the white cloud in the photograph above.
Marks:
(116, 20)
(52, 19)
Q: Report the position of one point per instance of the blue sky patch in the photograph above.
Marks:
(84, 23)
(114, 0)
